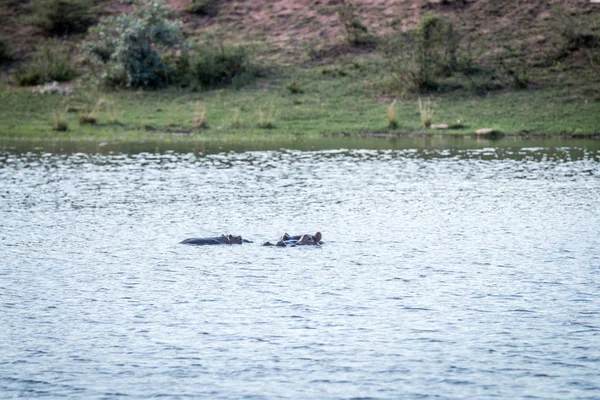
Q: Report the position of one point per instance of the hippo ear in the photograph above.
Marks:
(229, 238)
(318, 236)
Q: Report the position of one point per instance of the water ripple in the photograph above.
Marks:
(445, 273)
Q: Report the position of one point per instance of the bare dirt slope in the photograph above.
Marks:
(292, 26)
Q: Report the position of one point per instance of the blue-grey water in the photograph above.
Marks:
(461, 273)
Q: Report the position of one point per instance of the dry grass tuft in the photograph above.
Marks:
(426, 110)
(199, 121)
(59, 120)
(392, 121)
(267, 120)
(236, 121)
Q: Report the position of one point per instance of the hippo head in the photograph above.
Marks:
(286, 236)
(233, 239)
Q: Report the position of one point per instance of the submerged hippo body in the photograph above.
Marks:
(229, 239)
(297, 240)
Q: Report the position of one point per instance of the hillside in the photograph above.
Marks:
(294, 28)
(521, 67)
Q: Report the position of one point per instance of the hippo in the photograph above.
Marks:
(229, 239)
(298, 240)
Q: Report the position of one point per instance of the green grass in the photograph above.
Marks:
(329, 104)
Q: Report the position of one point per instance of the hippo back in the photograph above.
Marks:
(204, 241)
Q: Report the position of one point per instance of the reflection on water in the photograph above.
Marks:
(457, 271)
(425, 144)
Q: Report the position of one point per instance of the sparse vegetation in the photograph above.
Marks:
(61, 17)
(236, 121)
(515, 65)
(87, 116)
(266, 120)
(574, 33)
(420, 56)
(113, 113)
(199, 121)
(50, 64)
(5, 52)
(204, 7)
(294, 87)
(217, 63)
(356, 33)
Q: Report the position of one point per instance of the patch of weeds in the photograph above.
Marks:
(199, 121)
(458, 124)
(72, 109)
(90, 117)
(5, 52)
(334, 72)
(515, 65)
(59, 120)
(87, 117)
(355, 31)
(215, 62)
(392, 121)
(60, 17)
(294, 87)
(266, 120)
(426, 111)
(113, 113)
(236, 122)
(52, 63)
(208, 8)
(575, 33)
(418, 57)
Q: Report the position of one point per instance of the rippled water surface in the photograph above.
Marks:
(462, 273)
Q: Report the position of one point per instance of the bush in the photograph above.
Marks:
(60, 17)
(294, 87)
(5, 53)
(515, 66)
(356, 32)
(214, 63)
(50, 64)
(131, 50)
(204, 7)
(420, 56)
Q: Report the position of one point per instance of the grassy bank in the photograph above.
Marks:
(310, 102)
(388, 68)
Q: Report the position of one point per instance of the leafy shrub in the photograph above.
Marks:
(438, 44)
(515, 65)
(215, 63)
(294, 87)
(130, 50)
(50, 64)
(5, 53)
(419, 56)
(356, 32)
(59, 17)
(204, 7)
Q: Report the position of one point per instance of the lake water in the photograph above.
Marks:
(450, 270)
